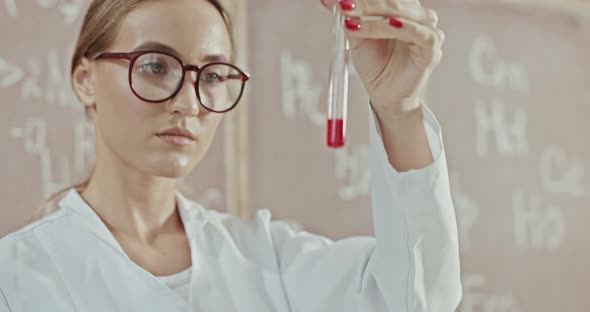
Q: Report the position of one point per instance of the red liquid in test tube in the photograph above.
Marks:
(338, 89)
(335, 133)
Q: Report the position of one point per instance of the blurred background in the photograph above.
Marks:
(512, 95)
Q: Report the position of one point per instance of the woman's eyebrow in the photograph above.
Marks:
(158, 46)
(214, 58)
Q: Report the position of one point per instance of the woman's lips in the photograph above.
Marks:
(177, 136)
(176, 139)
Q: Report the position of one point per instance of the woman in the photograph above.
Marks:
(127, 241)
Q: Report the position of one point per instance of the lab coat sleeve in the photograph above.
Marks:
(412, 263)
(3, 304)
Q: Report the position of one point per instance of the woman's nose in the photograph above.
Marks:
(186, 101)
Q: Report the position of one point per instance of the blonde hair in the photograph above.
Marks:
(97, 34)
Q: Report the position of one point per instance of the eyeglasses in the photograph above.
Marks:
(156, 77)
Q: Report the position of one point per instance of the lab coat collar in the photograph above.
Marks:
(101, 277)
(193, 216)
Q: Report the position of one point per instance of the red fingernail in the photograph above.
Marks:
(353, 23)
(347, 5)
(396, 23)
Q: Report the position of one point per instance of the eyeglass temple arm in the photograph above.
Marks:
(126, 56)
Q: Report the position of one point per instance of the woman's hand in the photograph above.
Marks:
(395, 55)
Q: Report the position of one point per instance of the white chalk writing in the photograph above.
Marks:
(34, 136)
(487, 69)
(299, 91)
(10, 73)
(49, 83)
(69, 9)
(477, 299)
(467, 212)
(559, 174)
(353, 166)
(536, 224)
(510, 136)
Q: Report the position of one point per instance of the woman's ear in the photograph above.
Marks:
(83, 81)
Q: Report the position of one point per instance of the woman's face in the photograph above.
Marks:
(129, 128)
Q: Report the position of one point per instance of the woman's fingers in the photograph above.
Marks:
(384, 8)
(395, 28)
(432, 18)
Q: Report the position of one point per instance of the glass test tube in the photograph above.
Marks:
(338, 88)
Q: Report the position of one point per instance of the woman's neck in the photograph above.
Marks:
(132, 203)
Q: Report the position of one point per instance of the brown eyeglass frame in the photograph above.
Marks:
(133, 56)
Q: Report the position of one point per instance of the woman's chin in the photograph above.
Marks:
(173, 168)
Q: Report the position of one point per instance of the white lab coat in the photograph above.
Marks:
(69, 261)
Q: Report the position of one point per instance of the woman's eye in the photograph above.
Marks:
(153, 68)
(212, 77)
